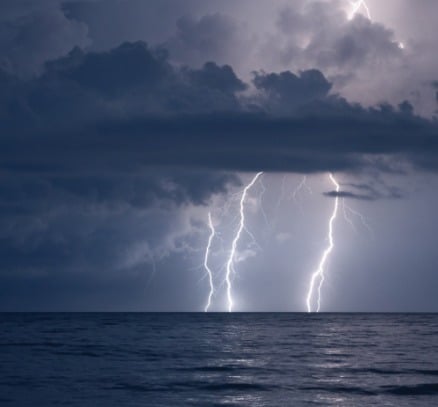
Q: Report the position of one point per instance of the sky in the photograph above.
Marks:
(125, 124)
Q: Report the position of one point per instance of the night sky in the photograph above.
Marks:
(124, 123)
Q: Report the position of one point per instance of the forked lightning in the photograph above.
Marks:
(318, 276)
(356, 7)
(231, 258)
(206, 266)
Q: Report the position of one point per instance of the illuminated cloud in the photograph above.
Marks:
(118, 133)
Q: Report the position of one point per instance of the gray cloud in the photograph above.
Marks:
(370, 192)
(370, 197)
(361, 58)
(108, 227)
(197, 117)
(33, 37)
(322, 36)
(349, 195)
(213, 37)
(135, 82)
(286, 91)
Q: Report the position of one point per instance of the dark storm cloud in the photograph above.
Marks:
(33, 32)
(99, 224)
(166, 188)
(245, 142)
(134, 80)
(130, 108)
(103, 151)
(63, 241)
(59, 213)
(372, 192)
(287, 91)
(350, 195)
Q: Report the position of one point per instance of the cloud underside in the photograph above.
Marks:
(243, 142)
(130, 108)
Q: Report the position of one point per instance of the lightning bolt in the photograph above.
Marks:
(320, 272)
(242, 227)
(282, 195)
(207, 255)
(302, 185)
(347, 209)
(262, 209)
(356, 6)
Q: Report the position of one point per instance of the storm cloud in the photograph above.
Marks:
(31, 34)
(130, 108)
(117, 134)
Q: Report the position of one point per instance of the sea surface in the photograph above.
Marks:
(218, 360)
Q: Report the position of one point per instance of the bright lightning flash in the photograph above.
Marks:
(207, 255)
(356, 6)
(230, 262)
(320, 272)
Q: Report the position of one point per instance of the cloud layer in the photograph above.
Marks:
(114, 139)
(130, 108)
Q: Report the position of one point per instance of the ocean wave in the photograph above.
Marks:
(424, 389)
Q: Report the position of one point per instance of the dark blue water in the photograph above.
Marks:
(218, 359)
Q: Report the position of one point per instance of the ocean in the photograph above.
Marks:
(136, 359)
